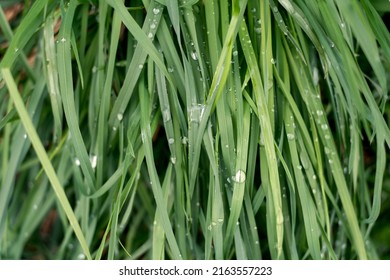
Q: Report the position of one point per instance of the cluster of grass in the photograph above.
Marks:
(185, 129)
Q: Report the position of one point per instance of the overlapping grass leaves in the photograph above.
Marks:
(195, 130)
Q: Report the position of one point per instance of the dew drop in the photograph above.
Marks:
(153, 26)
(299, 167)
(324, 126)
(63, 40)
(290, 136)
(119, 117)
(171, 69)
(235, 53)
(196, 112)
(173, 160)
(194, 56)
(25, 136)
(239, 177)
(273, 61)
(150, 35)
(171, 141)
(315, 76)
(93, 160)
(81, 256)
(77, 162)
(184, 140)
(320, 113)
(166, 114)
(35, 207)
(156, 11)
(140, 66)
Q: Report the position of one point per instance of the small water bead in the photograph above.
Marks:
(315, 76)
(273, 61)
(25, 136)
(171, 69)
(258, 30)
(275, 9)
(290, 136)
(153, 26)
(166, 114)
(63, 40)
(156, 11)
(35, 207)
(314, 177)
(330, 161)
(324, 126)
(81, 256)
(194, 56)
(220, 220)
(119, 116)
(114, 128)
(299, 167)
(196, 112)
(320, 112)
(342, 25)
(184, 140)
(240, 176)
(171, 141)
(93, 160)
(235, 53)
(77, 162)
(150, 35)
(140, 66)
(327, 136)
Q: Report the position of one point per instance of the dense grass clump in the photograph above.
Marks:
(184, 129)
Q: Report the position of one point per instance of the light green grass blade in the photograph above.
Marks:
(46, 164)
